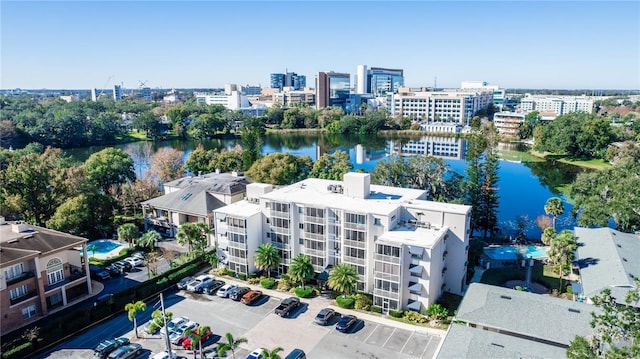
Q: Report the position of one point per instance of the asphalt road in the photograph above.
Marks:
(263, 329)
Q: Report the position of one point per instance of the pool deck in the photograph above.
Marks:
(113, 253)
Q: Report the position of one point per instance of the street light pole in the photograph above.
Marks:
(166, 327)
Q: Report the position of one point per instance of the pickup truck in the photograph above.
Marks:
(287, 306)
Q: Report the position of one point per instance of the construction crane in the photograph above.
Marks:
(103, 87)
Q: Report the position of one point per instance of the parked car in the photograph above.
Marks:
(124, 265)
(296, 354)
(114, 270)
(286, 306)
(324, 316)
(182, 284)
(107, 346)
(186, 344)
(346, 322)
(177, 336)
(213, 286)
(141, 255)
(135, 261)
(126, 351)
(173, 324)
(197, 284)
(251, 297)
(225, 290)
(165, 355)
(256, 354)
(98, 273)
(238, 293)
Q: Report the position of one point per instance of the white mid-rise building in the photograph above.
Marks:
(559, 105)
(234, 100)
(450, 106)
(407, 250)
(508, 123)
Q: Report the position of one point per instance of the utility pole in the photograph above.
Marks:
(166, 327)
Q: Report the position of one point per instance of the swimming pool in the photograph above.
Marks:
(102, 246)
(511, 252)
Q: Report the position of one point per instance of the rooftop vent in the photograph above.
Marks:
(2, 221)
(572, 310)
(19, 227)
(497, 345)
(505, 297)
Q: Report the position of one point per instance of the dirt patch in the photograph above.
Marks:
(534, 287)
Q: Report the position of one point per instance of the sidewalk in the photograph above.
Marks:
(322, 302)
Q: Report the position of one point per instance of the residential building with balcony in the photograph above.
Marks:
(192, 199)
(559, 105)
(40, 270)
(406, 250)
(508, 123)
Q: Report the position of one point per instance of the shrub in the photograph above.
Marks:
(414, 317)
(436, 312)
(345, 302)
(222, 272)
(231, 273)
(305, 292)
(363, 301)
(242, 276)
(21, 351)
(268, 283)
(284, 284)
(396, 313)
(254, 280)
(376, 309)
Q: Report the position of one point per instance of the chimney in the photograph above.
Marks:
(357, 185)
(2, 221)
(19, 227)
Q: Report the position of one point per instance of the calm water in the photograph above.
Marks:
(524, 187)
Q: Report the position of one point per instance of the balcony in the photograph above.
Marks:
(237, 260)
(314, 252)
(19, 278)
(280, 230)
(160, 222)
(238, 245)
(21, 299)
(353, 260)
(388, 259)
(279, 214)
(311, 219)
(386, 276)
(386, 294)
(316, 236)
(350, 225)
(352, 243)
(283, 246)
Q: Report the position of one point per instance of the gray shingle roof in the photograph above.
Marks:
(223, 183)
(466, 342)
(607, 259)
(538, 316)
(37, 240)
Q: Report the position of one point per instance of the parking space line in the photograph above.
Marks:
(426, 346)
(407, 342)
(374, 329)
(385, 342)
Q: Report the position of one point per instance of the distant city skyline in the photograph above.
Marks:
(207, 44)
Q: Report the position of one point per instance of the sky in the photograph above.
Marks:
(207, 44)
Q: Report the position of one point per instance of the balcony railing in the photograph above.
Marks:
(283, 246)
(352, 243)
(350, 225)
(238, 245)
(314, 252)
(311, 219)
(159, 222)
(29, 295)
(352, 260)
(280, 230)
(237, 260)
(316, 236)
(280, 214)
(386, 294)
(19, 278)
(386, 276)
(388, 259)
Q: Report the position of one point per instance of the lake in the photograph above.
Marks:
(525, 183)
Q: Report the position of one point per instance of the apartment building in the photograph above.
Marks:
(508, 123)
(442, 147)
(40, 270)
(559, 105)
(407, 250)
(232, 100)
(450, 106)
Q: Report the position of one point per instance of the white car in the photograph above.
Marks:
(177, 336)
(225, 290)
(174, 324)
(165, 355)
(256, 354)
(135, 261)
(197, 284)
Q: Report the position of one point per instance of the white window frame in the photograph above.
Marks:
(55, 271)
(18, 292)
(29, 312)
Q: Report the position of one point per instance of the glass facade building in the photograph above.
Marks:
(382, 81)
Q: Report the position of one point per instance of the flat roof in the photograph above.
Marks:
(243, 209)
(382, 200)
(414, 236)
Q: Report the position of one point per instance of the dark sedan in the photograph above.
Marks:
(238, 293)
(212, 287)
(324, 316)
(346, 322)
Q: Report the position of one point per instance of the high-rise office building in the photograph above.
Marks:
(378, 81)
(117, 92)
(289, 79)
(332, 89)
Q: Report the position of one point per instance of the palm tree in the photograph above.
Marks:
(149, 239)
(212, 257)
(548, 235)
(194, 235)
(196, 337)
(128, 232)
(159, 320)
(343, 278)
(267, 257)
(301, 268)
(554, 208)
(132, 310)
(562, 251)
(231, 344)
(93, 248)
(271, 354)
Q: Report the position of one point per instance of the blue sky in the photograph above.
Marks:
(171, 44)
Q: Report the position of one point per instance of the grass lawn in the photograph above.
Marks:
(138, 135)
(594, 163)
(541, 274)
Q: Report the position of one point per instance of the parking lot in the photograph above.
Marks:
(370, 338)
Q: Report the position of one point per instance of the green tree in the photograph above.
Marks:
(301, 269)
(562, 251)
(267, 257)
(194, 235)
(280, 169)
(132, 310)
(212, 257)
(109, 167)
(149, 239)
(272, 354)
(252, 132)
(147, 122)
(198, 160)
(128, 232)
(617, 328)
(196, 337)
(331, 166)
(89, 215)
(227, 161)
(231, 344)
(92, 248)
(159, 320)
(554, 208)
(343, 278)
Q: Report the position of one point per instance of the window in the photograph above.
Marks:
(354, 235)
(354, 252)
(29, 311)
(55, 271)
(356, 218)
(300, 241)
(301, 225)
(388, 250)
(18, 292)
(377, 222)
(14, 271)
